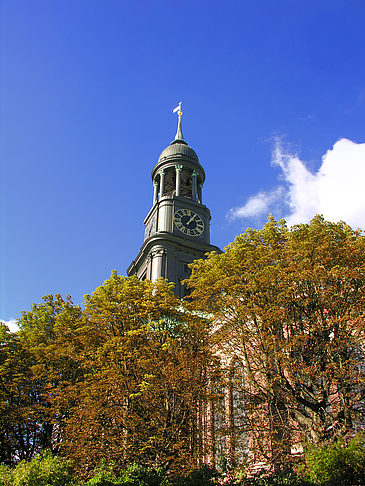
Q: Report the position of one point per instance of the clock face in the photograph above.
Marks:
(189, 222)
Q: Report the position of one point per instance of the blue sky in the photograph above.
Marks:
(273, 96)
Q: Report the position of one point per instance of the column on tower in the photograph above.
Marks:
(162, 182)
(200, 193)
(178, 169)
(194, 184)
(155, 191)
(158, 264)
(149, 267)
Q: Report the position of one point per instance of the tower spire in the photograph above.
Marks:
(179, 135)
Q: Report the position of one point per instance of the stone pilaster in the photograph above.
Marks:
(178, 169)
(194, 184)
(162, 182)
(155, 191)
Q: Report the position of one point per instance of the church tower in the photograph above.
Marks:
(177, 226)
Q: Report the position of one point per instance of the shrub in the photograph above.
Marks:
(6, 476)
(281, 478)
(204, 476)
(45, 470)
(337, 464)
(102, 477)
(134, 475)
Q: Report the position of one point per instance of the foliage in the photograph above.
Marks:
(288, 305)
(17, 396)
(281, 478)
(102, 476)
(145, 362)
(337, 464)
(137, 475)
(6, 475)
(121, 381)
(130, 377)
(44, 470)
(203, 476)
(33, 362)
(133, 475)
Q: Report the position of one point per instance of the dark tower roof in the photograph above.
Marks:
(178, 149)
(179, 152)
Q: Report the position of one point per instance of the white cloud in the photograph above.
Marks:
(12, 325)
(257, 205)
(336, 190)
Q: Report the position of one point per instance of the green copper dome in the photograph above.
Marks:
(178, 153)
(178, 148)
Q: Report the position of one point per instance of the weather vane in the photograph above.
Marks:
(179, 135)
(178, 109)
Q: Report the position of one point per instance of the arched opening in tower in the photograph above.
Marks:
(186, 184)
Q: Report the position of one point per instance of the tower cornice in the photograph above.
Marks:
(163, 239)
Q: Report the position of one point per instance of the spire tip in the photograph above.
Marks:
(179, 135)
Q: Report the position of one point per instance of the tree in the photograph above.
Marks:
(145, 360)
(36, 364)
(17, 427)
(289, 305)
(123, 380)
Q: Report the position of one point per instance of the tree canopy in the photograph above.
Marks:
(272, 330)
(121, 380)
(146, 362)
(289, 304)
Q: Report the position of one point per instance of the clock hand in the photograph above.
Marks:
(191, 219)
